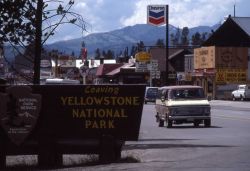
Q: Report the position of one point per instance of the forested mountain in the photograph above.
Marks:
(118, 40)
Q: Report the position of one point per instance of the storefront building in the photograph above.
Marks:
(222, 63)
(220, 69)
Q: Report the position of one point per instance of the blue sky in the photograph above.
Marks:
(108, 15)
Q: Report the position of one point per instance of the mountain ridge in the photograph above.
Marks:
(117, 40)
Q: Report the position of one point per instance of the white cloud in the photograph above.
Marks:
(108, 15)
(139, 16)
(80, 5)
(183, 13)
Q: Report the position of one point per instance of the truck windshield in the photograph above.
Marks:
(192, 93)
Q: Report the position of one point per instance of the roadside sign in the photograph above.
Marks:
(236, 76)
(141, 67)
(156, 14)
(142, 56)
(45, 63)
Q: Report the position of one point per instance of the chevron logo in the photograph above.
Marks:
(156, 15)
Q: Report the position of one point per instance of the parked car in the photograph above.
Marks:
(242, 93)
(182, 104)
(150, 94)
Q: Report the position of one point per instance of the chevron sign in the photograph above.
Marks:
(157, 15)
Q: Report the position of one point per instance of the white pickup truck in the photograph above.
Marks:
(242, 93)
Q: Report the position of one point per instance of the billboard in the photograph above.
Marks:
(157, 14)
(220, 57)
(237, 76)
(204, 57)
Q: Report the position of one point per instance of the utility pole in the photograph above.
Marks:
(167, 83)
(234, 10)
(38, 42)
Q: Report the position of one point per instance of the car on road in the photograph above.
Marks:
(150, 94)
(242, 93)
(182, 104)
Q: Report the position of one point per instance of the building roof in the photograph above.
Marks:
(244, 23)
(175, 53)
(103, 69)
(117, 70)
(234, 32)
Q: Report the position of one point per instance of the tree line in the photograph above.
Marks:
(180, 39)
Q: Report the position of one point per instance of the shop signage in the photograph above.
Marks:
(231, 57)
(142, 56)
(220, 57)
(204, 57)
(188, 76)
(236, 76)
(45, 63)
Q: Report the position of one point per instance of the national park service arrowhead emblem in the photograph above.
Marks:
(19, 111)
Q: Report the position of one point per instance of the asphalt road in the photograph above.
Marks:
(225, 146)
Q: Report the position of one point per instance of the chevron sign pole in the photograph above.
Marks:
(157, 15)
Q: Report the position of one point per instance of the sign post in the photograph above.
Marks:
(157, 15)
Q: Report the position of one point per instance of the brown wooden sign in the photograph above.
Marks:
(81, 111)
(220, 57)
(231, 57)
(204, 57)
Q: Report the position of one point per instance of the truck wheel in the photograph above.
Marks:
(169, 124)
(161, 123)
(233, 98)
(207, 122)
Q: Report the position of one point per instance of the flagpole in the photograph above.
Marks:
(167, 83)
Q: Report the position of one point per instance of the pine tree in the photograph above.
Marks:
(97, 53)
(184, 36)
(160, 43)
(176, 40)
(196, 39)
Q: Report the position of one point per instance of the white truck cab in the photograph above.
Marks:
(242, 93)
